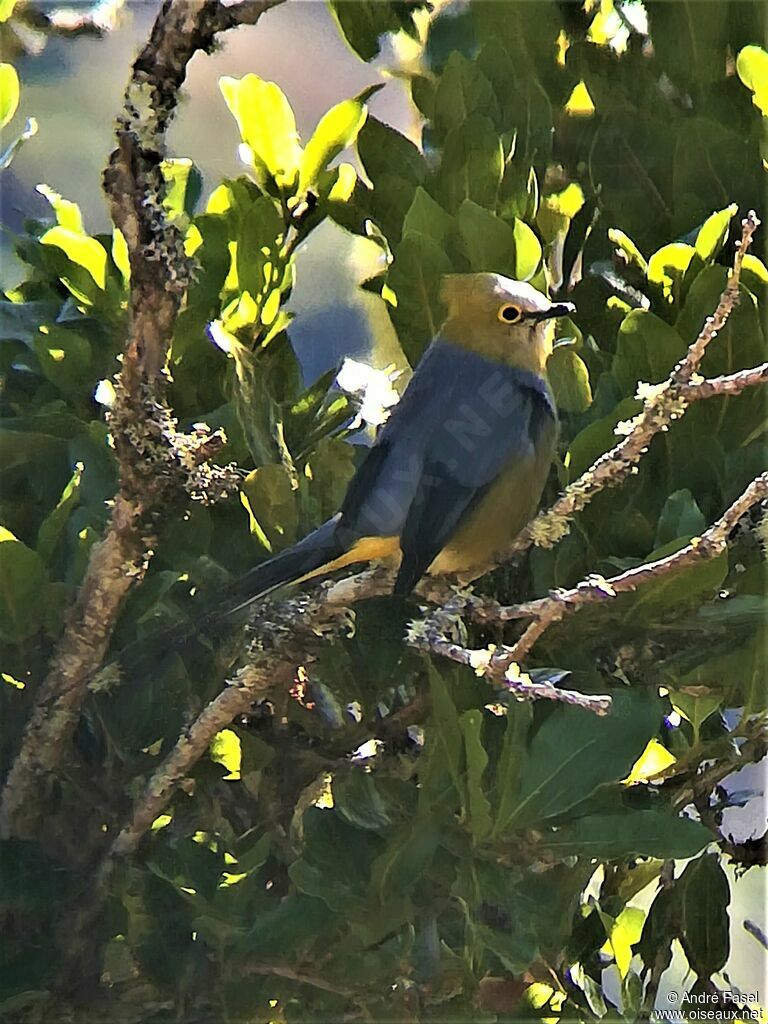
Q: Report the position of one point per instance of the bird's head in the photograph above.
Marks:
(508, 321)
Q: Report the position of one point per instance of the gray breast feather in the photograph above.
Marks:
(462, 419)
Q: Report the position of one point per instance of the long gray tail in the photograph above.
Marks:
(316, 550)
(312, 553)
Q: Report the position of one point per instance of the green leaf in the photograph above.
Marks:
(296, 920)
(478, 810)
(574, 752)
(642, 833)
(661, 926)
(515, 951)
(82, 250)
(428, 218)
(358, 801)
(445, 731)
(706, 894)
(267, 126)
(270, 499)
(53, 525)
(395, 167)
(260, 229)
(752, 69)
(646, 350)
(714, 232)
(569, 377)
(510, 764)
(336, 861)
(184, 184)
(9, 93)
(384, 150)
(363, 22)
(667, 269)
(497, 246)
(407, 856)
(415, 276)
(65, 359)
(462, 90)
(680, 517)
(336, 130)
(22, 577)
(696, 704)
(472, 165)
(21, 321)
(677, 591)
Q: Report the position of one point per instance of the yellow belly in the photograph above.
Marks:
(507, 507)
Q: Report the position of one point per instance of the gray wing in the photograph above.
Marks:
(461, 421)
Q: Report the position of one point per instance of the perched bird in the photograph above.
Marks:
(454, 474)
(459, 467)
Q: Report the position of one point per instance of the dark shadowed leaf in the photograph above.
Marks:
(574, 752)
(706, 895)
(651, 833)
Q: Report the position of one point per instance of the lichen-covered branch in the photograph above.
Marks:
(662, 404)
(597, 589)
(284, 637)
(157, 467)
(728, 384)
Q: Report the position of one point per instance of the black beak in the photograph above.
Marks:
(555, 310)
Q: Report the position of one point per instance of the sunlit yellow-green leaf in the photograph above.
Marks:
(336, 130)
(267, 125)
(220, 200)
(752, 69)
(68, 214)
(226, 750)
(271, 503)
(627, 248)
(569, 378)
(668, 265)
(344, 185)
(6, 9)
(579, 103)
(120, 255)
(22, 578)
(653, 760)
(713, 233)
(86, 252)
(622, 934)
(9, 93)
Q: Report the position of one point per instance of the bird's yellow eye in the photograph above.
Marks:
(509, 313)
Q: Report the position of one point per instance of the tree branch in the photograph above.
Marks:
(593, 589)
(155, 465)
(662, 404)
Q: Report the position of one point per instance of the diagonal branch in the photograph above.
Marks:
(662, 404)
(156, 466)
(596, 589)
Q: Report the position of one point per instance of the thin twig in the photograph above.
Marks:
(597, 589)
(728, 384)
(249, 685)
